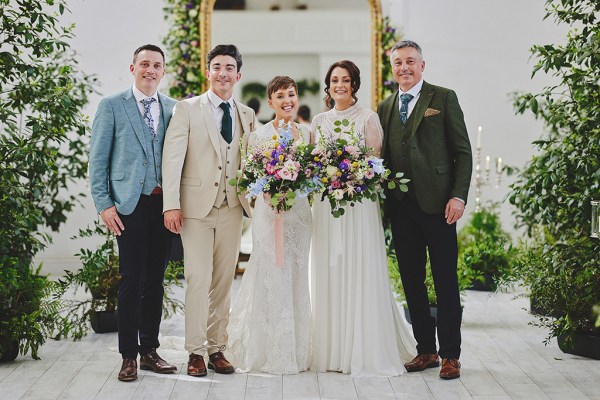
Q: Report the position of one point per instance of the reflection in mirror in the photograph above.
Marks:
(299, 38)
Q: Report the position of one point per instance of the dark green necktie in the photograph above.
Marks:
(405, 98)
(226, 122)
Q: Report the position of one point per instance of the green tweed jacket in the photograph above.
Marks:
(440, 151)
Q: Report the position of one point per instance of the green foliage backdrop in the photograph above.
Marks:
(552, 194)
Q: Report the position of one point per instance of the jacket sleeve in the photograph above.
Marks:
(460, 147)
(174, 152)
(103, 134)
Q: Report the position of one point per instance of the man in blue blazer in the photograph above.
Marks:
(426, 138)
(126, 184)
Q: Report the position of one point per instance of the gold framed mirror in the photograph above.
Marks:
(206, 10)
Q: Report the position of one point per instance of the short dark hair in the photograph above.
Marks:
(280, 82)
(304, 112)
(354, 77)
(407, 43)
(150, 47)
(254, 104)
(225, 50)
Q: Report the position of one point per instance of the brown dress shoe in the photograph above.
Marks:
(128, 370)
(450, 368)
(422, 361)
(196, 366)
(153, 362)
(219, 363)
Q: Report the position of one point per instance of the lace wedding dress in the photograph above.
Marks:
(357, 326)
(270, 324)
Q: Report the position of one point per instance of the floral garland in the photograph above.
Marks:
(389, 37)
(183, 48)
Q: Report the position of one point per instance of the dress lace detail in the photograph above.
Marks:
(270, 324)
(357, 325)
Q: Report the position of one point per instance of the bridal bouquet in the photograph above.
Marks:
(281, 167)
(350, 173)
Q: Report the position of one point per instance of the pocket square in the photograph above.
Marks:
(431, 111)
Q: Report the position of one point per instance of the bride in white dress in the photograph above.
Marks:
(358, 328)
(269, 326)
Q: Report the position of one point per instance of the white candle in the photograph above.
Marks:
(487, 163)
(479, 129)
(499, 165)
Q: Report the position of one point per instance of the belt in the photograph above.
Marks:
(157, 190)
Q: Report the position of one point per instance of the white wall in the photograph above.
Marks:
(478, 48)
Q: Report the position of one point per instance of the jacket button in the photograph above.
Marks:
(216, 184)
(220, 168)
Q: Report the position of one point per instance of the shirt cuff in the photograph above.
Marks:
(459, 199)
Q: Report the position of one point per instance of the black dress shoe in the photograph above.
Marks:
(153, 362)
(128, 370)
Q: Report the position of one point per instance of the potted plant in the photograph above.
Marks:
(554, 190)
(99, 276)
(29, 310)
(486, 248)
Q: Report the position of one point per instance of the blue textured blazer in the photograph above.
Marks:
(118, 157)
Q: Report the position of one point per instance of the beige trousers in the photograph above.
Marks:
(211, 247)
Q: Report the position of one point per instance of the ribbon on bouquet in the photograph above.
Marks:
(278, 230)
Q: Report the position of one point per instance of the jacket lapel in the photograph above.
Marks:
(133, 112)
(244, 118)
(387, 115)
(209, 121)
(424, 99)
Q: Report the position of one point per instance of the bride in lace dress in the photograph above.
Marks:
(269, 326)
(358, 328)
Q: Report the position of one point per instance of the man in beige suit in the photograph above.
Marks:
(201, 153)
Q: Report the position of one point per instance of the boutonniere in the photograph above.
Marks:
(431, 111)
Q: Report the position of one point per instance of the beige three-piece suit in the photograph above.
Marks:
(197, 165)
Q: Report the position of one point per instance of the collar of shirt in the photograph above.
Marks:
(139, 96)
(416, 92)
(216, 100)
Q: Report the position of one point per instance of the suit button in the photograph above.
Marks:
(228, 147)
(404, 157)
(403, 142)
(227, 162)
(145, 162)
(220, 168)
(223, 191)
(216, 184)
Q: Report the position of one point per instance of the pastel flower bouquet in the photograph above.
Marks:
(282, 168)
(350, 173)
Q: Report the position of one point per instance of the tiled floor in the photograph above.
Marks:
(503, 358)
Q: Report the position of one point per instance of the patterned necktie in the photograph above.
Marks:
(405, 98)
(148, 115)
(226, 122)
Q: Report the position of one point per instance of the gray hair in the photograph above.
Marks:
(407, 43)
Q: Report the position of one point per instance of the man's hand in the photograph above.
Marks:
(111, 219)
(173, 220)
(454, 210)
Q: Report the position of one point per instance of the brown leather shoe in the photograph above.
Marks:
(422, 361)
(153, 362)
(196, 366)
(128, 370)
(450, 368)
(219, 363)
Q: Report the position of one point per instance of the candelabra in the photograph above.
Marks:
(595, 219)
(481, 179)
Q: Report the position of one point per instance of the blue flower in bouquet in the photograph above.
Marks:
(377, 165)
(257, 187)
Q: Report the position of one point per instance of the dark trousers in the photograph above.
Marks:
(415, 233)
(144, 248)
